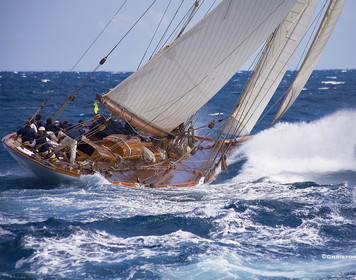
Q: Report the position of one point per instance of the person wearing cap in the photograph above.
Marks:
(53, 131)
(43, 142)
(28, 135)
(50, 126)
(58, 123)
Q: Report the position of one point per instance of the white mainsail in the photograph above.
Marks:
(321, 38)
(186, 74)
(271, 68)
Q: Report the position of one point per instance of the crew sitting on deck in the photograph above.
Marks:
(52, 129)
(28, 135)
(50, 126)
(58, 123)
(44, 144)
(65, 125)
(39, 122)
(33, 125)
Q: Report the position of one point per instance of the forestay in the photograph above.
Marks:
(271, 68)
(186, 74)
(321, 38)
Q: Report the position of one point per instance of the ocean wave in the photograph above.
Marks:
(332, 83)
(230, 266)
(299, 149)
(70, 256)
(4, 232)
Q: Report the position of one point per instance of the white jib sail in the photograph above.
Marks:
(186, 74)
(271, 68)
(321, 38)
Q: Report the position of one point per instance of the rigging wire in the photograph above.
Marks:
(97, 37)
(178, 29)
(154, 34)
(169, 25)
(317, 18)
(301, 58)
(78, 61)
(218, 65)
(220, 146)
(237, 128)
(102, 61)
(253, 102)
(210, 7)
(191, 15)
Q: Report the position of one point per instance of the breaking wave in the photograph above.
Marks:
(319, 147)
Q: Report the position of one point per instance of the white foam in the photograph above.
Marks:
(4, 232)
(232, 266)
(323, 88)
(332, 83)
(216, 114)
(11, 219)
(66, 255)
(326, 145)
(332, 77)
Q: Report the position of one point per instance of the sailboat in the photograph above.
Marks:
(158, 101)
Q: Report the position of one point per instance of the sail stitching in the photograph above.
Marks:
(257, 28)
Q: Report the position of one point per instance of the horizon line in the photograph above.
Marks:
(132, 71)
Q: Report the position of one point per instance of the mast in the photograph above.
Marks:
(322, 36)
(187, 73)
(270, 69)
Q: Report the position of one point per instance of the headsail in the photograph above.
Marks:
(271, 68)
(321, 38)
(180, 79)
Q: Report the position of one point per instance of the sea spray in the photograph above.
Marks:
(325, 145)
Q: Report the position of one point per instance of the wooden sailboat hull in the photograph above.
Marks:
(40, 170)
(188, 172)
(131, 178)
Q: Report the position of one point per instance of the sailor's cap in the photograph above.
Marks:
(41, 129)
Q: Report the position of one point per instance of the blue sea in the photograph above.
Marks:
(286, 208)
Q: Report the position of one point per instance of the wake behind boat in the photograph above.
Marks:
(150, 136)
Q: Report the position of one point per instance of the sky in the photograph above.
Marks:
(51, 35)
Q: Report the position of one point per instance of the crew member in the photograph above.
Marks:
(52, 129)
(28, 135)
(44, 144)
(39, 122)
(65, 125)
(70, 143)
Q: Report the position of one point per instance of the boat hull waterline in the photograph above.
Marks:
(178, 177)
